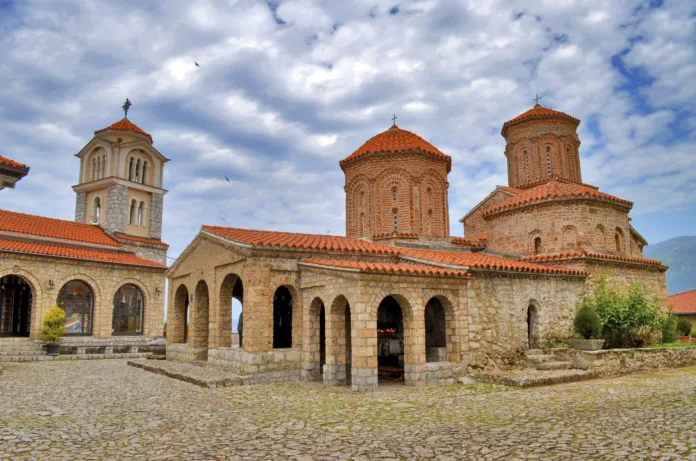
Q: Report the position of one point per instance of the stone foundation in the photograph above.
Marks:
(614, 362)
(184, 353)
(273, 366)
(115, 344)
(433, 374)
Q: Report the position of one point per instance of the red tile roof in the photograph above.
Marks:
(538, 112)
(11, 221)
(478, 242)
(75, 253)
(396, 140)
(124, 125)
(10, 162)
(550, 190)
(133, 238)
(580, 253)
(683, 303)
(388, 268)
(310, 242)
(484, 262)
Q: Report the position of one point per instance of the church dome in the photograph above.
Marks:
(125, 125)
(394, 141)
(538, 112)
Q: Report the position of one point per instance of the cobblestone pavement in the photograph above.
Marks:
(107, 410)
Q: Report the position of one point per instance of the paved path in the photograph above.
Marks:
(107, 410)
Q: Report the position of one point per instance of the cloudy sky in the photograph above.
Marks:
(285, 89)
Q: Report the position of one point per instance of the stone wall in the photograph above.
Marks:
(273, 366)
(474, 224)
(157, 254)
(80, 206)
(156, 208)
(613, 362)
(47, 275)
(117, 208)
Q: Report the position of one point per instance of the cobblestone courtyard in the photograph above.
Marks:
(108, 410)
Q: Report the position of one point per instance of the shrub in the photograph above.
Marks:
(587, 322)
(669, 329)
(683, 327)
(53, 326)
(693, 332)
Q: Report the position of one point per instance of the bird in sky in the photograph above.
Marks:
(196, 64)
(228, 179)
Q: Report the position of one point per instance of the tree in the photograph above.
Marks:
(53, 326)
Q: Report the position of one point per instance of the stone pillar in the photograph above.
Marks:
(414, 346)
(80, 206)
(258, 308)
(311, 346)
(156, 208)
(116, 208)
(364, 350)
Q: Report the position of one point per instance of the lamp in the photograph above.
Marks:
(51, 284)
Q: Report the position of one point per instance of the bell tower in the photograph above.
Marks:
(120, 181)
(542, 143)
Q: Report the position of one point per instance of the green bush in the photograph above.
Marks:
(630, 318)
(683, 327)
(669, 329)
(692, 333)
(53, 326)
(587, 323)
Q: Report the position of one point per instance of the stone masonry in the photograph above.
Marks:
(117, 208)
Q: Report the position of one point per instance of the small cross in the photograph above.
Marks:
(536, 100)
(126, 105)
(394, 119)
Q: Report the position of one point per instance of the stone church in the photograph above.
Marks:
(399, 296)
(106, 268)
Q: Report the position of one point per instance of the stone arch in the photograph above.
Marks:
(440, 330)
(433, 207)
(399, 340)
(232, 287)
(569, 239)
(533, 329)
(80, 315)
(360, 210)
(315, 334)
(550, 148)
(536, 243)
(398, 180)
(619, 242)
(177, 319)
(284, 306)
(599, 240)
(96, 209)
(200, 317)
(339, 351)
(147, 297)
(20, 318)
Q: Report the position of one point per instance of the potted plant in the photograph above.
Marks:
(53, 330)
(588, 326)
(683, 328)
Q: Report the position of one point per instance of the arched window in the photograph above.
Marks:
(429, 224)
(394, 194)
(395, 214)
(15, 306)
(128, 311)
(96, 213)
(363, 229)
(599, 242)
(569, 238)
(94, 169)
(77, 299)
(435, 331)
(570, 162)
(548, 161)
(619, 244)
(282, 318)
(537, 246)
(103, 168)
(526, 165)
(132, 215)
(144, 171)
(137, 170)
(141, 214)
(130, 169)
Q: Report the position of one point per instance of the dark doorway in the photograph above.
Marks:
(322, 338)
(349, 345)
(282, 319)
(15, 306)
(390, 340)
(531, 326)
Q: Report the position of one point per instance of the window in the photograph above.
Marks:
(548, 160)
(77, 299)
(363, 230)
(430, 222)
(537, 245)
(128, 310)
(396, 219)
(132, 216)
(96, 213)
(137, 170)
(103, 167)
(526, 164)
(94, 169)
(141, 214)
(617, 239)
(394, 194)
(282, 318)
(130, 169)
(144, 171)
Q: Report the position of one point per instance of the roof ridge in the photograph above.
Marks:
(277, 232)
(682, 292)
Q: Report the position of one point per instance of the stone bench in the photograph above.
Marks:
(105, 348)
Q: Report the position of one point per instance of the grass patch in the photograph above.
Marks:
(672, 345)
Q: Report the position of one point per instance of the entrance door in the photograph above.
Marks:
(15, 306)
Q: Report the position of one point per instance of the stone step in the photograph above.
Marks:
(554, 366)
(24, 358)
(15, 340)
(534, 352)
(539, 358)
(37, 358)
(11, 353)
(530, 378)
(20, 346)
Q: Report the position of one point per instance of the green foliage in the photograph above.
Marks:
(669, 329)
(683, 327)
(587, 322)
(692, 333)
(53, 326)
(629, 319)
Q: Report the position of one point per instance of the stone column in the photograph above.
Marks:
(258, 308)
(364, 350)
(414, 347)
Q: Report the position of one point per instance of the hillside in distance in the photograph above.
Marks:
(679, 253)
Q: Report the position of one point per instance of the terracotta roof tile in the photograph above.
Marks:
(396, 140)
(537, 112)
(683, 303)
(479, 241)
(395, 234)
(389, 268)
(10, 162)
(11, 221)
(133, 238)
(580, 253)
(485, 262)
(124, 125)
(310, 242)
(130, 259)
(552, 189)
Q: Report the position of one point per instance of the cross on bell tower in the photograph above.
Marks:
(394, 120)
(536, 100)
(126, 105)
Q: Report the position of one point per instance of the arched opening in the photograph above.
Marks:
(282, 318)
(178, 318)
(337, 371)
(230, 322)
(199, 335)
(15, 306)
(532, 325)
(316, 335)
(137, 170)
(130, 169)
(93, 176)
(129, 305)
(599, 238)
(435, 331)
(96, 212)
(141, 214)
(144, 171)
(569, 239)
(390, 340)
(618, 241)
(77, 299)
(132, 215)
(537, 245)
